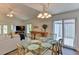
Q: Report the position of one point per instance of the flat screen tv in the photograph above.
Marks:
(20, 28)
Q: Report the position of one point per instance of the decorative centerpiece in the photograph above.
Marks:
(44, 26)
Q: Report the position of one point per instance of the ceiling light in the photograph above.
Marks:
(49, 15)
(7, 15)
(43, 17)
(40, 15)
(44, 13)
(11, 13)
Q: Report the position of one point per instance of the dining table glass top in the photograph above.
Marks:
(32, 45)
(46, 45)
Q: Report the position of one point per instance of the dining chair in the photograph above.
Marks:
(29, 53)
(23, 51)
(20, 49)
(54, 49)
(60, 46)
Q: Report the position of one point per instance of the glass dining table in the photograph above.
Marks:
(38, 49)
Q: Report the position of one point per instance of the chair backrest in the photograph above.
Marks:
(55, 49)
(60, 46)
(20, 49)
(60, 42)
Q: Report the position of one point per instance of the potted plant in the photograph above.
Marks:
(44, 26)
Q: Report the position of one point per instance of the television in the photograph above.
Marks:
(20, 28)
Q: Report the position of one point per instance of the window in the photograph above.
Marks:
(0, 29)
(12, 28)
(29, 28)
(58, 29)
(65, 29)
(69, 28)
(5, 29)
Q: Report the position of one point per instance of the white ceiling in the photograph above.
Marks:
(20, 10)
(28, 10)
(56, 8)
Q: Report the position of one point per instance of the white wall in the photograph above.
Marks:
(10, 21)
(39, 23)
(74, 14)
(7, 20)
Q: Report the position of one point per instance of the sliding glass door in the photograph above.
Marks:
(65, 29)
(69, 32)
(58, 29)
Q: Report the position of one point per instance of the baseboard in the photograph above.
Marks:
(69, 48)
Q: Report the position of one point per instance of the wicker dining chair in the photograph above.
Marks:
(57, 48)
(60, 46)
(54, 49)
(20, 49)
